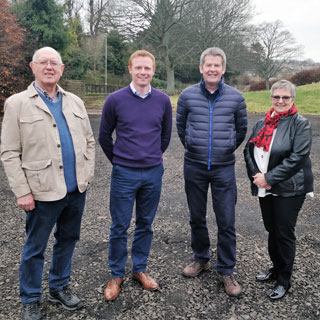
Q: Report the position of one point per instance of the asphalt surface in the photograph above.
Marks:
(178, 297)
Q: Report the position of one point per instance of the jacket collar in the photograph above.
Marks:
(37, 100)
(207, 93)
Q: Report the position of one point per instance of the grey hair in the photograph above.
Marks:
(34, 57)
(284, 84)
(214, 51)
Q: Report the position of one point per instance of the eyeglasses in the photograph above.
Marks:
(53, 64)
(284, 98)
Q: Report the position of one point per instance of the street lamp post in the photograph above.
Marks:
(106, 67)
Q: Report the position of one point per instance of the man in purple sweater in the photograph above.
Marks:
(142, 119)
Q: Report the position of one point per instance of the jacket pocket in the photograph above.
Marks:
(83, 169)
(81, 124)
(288, 185)
(79, 114)
(31, 119)
(33, 127)
(38, 175)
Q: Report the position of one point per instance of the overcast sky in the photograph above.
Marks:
(300, 17)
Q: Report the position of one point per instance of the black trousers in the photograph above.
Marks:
(279, 217)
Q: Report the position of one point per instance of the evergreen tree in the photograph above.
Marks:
(118, 54)
(76, 62)
(43, 21)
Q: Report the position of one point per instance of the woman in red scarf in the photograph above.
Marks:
(279, 168)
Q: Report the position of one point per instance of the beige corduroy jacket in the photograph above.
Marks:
(30, 145)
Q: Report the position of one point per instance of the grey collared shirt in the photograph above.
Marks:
(46, 94)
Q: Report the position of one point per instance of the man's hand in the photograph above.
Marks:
(26, 202)
(260, 181)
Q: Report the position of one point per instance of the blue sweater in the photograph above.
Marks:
(143, 128)
(68, 156)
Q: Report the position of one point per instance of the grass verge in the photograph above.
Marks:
(307, 100)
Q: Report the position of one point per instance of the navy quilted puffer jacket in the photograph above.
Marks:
(211, 126)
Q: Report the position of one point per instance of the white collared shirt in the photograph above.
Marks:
(143, 96)
(262, 160)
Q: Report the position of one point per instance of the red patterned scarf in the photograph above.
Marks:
(264, 135)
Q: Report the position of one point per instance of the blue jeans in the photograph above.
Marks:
(66, 214)
(129, 185)
(223, 191)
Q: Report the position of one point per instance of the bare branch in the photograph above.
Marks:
(272, 48)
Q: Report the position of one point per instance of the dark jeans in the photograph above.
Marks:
(279, 217)
(130, 185)
(223, 192)
(66, 214)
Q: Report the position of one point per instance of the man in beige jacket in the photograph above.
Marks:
(47, 149)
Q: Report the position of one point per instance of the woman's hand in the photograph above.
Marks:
(260, 181)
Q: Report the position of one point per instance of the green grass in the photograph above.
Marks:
(307, 100)
(94, 103)
(174, 101)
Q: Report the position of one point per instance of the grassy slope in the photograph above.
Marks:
(307, 100)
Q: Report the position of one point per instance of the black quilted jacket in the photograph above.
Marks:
(289, 169)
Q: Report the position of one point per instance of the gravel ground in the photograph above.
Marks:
(178, 297)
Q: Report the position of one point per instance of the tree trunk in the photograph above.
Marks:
(170, 75)
(170, 81)
(267, 84)
(94, 70)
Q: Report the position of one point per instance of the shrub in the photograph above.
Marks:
(14, 71)
(261, 85)
(305, 77)
(240, 80)
(158, 83)
(257, 85)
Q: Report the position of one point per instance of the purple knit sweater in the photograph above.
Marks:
(143, 128)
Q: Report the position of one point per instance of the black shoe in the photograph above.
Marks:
(31, 311)
(278, 292)
(266, 276)
(68, 300)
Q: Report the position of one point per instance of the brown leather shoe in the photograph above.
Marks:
(113, 288)
(195, 268)
(146, 281)
(231, 285)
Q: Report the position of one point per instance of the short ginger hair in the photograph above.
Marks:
(143, 53)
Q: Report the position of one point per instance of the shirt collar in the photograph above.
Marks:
(143, 96)
(46, 94)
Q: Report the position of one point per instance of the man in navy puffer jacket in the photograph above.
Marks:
(212, 123)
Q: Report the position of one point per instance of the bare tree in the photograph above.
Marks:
(100, 16)
(159, 24)
(272, 48)
(72, 8)
(94, 50)
(220, 22)
(223, 24)
(178, 30)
